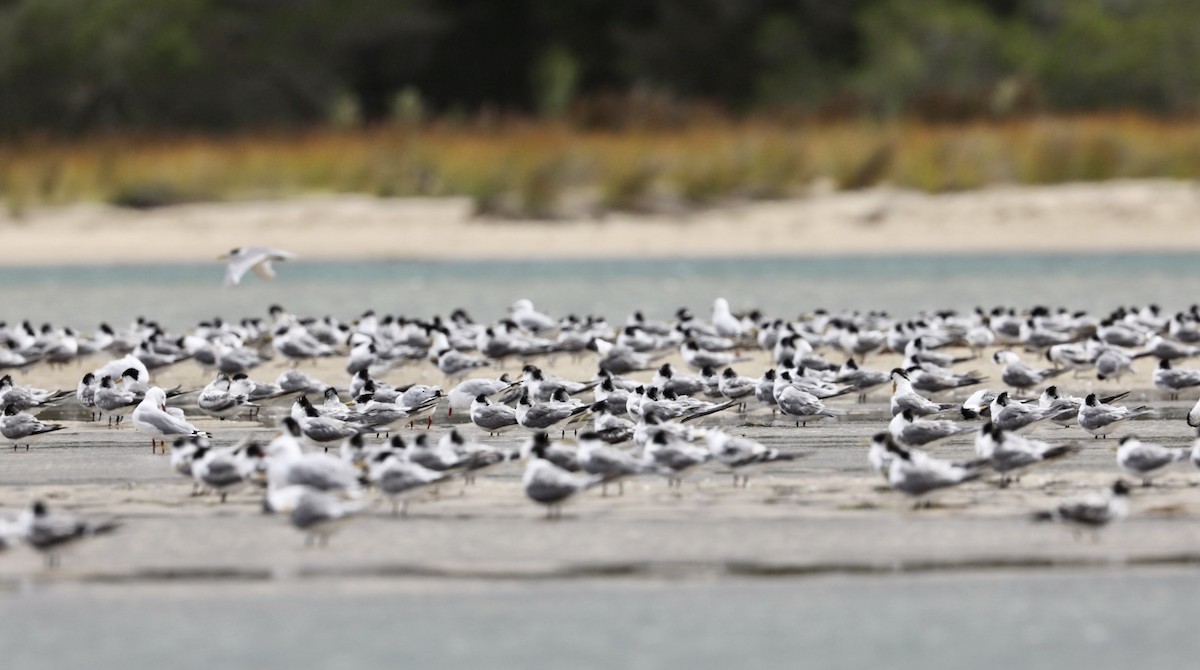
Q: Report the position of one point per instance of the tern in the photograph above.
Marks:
(1093, 511)
(241, 260)
(1146, 459)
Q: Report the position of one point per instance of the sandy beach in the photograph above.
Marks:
(797, 541)
(1149, 215)
(823, 513)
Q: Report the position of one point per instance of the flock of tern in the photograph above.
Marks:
(666, 399)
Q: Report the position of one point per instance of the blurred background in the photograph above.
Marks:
(540, 110)
(546, 109)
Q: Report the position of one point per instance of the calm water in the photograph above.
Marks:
(179, 295)
(1006, 620)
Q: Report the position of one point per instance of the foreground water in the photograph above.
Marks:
(179, 295)
(1002, 620)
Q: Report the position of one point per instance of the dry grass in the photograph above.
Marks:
(550, 170)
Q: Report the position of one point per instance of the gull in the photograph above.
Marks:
(1100, 419)
(1014, 416)
(152, 416)
(50, 532)
(1146, 459)
(243, 259)
(918, 474)
(531, 320)
(979, 337)
(461, 396)
(492, 418)
(1011, 454)
(1193, 416)
(550, 485)
(1019, 374)
(803, 406)
(724, 322)
(421, 401)
(373, 415)
(1173, 380)
(23, 428)
(741, 454)
(909, 431)
(906, 398)
(598, 458)
(1094, 510)
(400, 479)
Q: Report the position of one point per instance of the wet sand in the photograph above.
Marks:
(824, 513)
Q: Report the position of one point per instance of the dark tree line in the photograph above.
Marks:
(68, 66)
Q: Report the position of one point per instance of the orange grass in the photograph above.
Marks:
(548, 170)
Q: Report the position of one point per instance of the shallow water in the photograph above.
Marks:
(180, 295)
(1064, 618)
(1002, 620)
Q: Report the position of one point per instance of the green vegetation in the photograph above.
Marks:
(69, 67)
(544, 108)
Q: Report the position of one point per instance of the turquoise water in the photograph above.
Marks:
(179, 295)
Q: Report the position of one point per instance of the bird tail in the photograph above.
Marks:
(848, 389)
(1042, 515)
(710, 410)
(1061, 451)
(102, 527)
